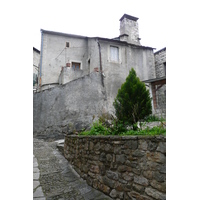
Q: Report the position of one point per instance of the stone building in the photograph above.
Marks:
(158, 85)
(66, 57)
(79, 76)
(36, 60)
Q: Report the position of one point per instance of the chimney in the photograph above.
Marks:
(129, 29)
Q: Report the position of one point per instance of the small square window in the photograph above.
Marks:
(76, 66)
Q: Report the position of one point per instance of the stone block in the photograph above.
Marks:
(159, 186)
(141, 180)
(161, 147)
(155, 194)
(102, 157)
(92, 175)
(112, 175)
(148, 174)
(120, 158)
(109, 182)
(142, 145)
(124, 168)
(136, 171)
(109, 157)
(117, 149)
(91, 146)
(97, 146)
(159, 177)
(138, 153)
(156, 157)
(102, 169)
(132, 164)
(127, 176)
(94, 169)
(138, 188)
(95, 184)
(152, 146)
(108, 148)
(131, 144)
(115, 194)
(103, 188)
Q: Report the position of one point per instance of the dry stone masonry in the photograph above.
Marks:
(131, 167)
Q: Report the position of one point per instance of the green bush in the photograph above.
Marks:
(133, 102)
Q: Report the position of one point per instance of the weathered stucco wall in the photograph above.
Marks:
(55, 55)
(68, 107)
(142, 60)
(131, 167)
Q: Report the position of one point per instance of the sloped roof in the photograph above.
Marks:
(99, 38)
(128, 17)
(34, 49)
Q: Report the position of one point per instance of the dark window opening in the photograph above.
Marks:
(67, 44)
(164, 64)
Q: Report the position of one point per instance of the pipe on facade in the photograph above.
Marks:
(41, 52)
(100, 61)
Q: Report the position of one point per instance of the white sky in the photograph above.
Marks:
(100, 18)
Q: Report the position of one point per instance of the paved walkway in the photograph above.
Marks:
(55, 179)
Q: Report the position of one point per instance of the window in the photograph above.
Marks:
(67, 44)
(114, 54)
(164, 64)
(76, 66)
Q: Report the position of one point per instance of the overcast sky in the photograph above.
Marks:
(100, 18)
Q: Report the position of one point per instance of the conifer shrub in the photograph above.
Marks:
(132, 103)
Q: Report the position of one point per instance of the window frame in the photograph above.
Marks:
(109, 53)
(76, 64)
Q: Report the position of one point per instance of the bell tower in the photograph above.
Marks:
(129, 29)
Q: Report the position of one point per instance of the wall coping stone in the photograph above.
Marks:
(161, 137)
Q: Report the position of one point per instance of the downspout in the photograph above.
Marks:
(41, 52)
(100, 63)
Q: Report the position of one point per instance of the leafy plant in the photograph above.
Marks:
(151, 118)
(96, 129)
(118, 128)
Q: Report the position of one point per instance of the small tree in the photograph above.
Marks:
(133, 101)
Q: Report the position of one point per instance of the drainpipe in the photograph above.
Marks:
(100, 63)
(41, 52)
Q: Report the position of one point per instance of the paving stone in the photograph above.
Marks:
(38, 192)
(35, 164)
(36, 176)
(35, 170)
(35, 184)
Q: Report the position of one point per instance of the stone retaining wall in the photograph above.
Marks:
(131, 167)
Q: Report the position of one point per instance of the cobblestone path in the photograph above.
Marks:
(55, 179)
